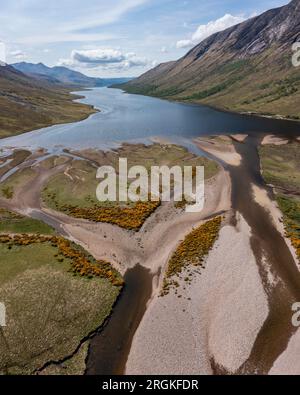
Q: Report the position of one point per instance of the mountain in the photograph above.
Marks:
(115, 81)
(62, 75)
(245, 68)
(27, 103)
(58, 75)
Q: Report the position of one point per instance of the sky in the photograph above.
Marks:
(117, 37)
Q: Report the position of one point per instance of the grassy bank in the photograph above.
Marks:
(281, 169)
(11, 222)
(50, 111)
(12, 184)
(55, 295)
(27, 104)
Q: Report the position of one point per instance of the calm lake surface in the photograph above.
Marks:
(127, 117)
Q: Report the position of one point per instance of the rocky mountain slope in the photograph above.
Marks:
(247, 67)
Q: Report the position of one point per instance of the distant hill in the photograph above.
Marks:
(27, 103)
(245, 68)
(62, 75)
(57, 75)
(115, 81)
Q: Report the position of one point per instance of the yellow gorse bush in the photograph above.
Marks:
(81, 264)
(191, 251)
(130, 218)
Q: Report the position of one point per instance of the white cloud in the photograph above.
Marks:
(136, 61)
(98, 56)
(184, 44)
(218, 25)
(18, 54)
(2, 52)
(164, 50)
(210, 28)
(107, 58)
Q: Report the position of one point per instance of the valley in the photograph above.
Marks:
(220, 70)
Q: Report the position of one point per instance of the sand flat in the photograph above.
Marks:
(239, 137)
(221, 148)
(228, 307)
(271, 139)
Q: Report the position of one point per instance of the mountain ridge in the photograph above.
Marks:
(231, 69)
(57, 74)
(60, 75)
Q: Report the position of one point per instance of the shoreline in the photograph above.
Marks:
(81, 97)
(76, 98)
(276, 117)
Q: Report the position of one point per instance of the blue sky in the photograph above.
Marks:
(115, 37)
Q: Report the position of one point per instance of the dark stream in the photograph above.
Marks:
(109, 350)
(266, 242)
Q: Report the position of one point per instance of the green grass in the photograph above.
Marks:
(281, 168)
(48, 310)
(26, 104)
(76, 187)
(73, 366)
(14, 182)
(18, 259)
(14, 223)
(214, 89)
(281, 165)
(290, 206)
